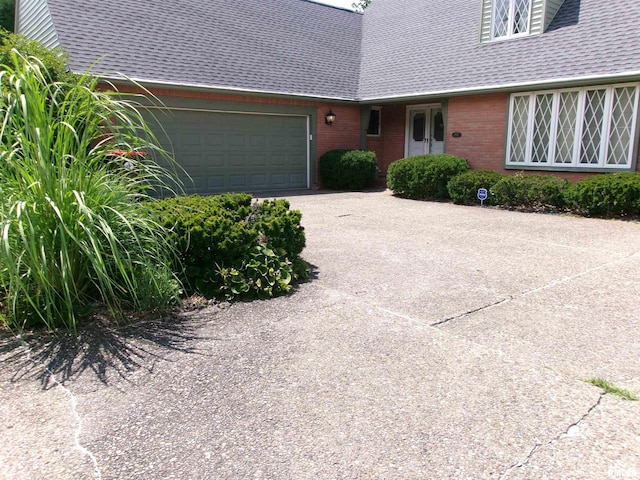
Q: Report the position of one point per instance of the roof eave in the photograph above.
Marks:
(565, 82)
(150, 84)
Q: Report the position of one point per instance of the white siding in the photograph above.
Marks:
(537, 16)
(34, 21)
(485, 33)
(552, 8)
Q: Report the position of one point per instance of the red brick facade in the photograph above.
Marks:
(480, 119)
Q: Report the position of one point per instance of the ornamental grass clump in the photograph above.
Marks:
(74, 233)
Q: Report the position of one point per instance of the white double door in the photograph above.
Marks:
(425, 131)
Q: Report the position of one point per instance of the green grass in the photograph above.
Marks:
(612, 389)
(75, 233)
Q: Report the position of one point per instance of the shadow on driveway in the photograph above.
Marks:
(105, 351)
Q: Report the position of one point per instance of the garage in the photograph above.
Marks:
(236, 152)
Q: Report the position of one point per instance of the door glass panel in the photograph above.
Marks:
(438, 127)
(419, 123)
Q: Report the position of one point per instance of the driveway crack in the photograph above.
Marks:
(470, 312)
(74, 412)
(551, 284)
(556, 439)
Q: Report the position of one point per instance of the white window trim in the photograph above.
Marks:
(512, 7)
(579, 125)
(379, 134)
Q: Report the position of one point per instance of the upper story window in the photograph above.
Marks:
(583, 128)
(511, 18)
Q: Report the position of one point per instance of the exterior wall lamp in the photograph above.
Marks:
(329, 118)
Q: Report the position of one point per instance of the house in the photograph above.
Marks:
(532, 85)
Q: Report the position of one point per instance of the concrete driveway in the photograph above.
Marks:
(435, 342)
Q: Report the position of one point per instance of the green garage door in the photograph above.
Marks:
(236, 152)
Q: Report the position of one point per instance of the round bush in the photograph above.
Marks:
(348, 169)
(463, 188)
(609, 194)
(215, 235)
(530, 191)
(424, 177)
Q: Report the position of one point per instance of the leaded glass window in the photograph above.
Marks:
(511, 18)
(592, 127)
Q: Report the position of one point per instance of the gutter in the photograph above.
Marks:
(563, 82)
(121, 80)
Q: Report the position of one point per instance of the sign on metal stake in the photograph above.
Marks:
(483, 194)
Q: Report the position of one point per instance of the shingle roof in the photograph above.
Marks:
(398, 48)
(414, 47)
(278, 46)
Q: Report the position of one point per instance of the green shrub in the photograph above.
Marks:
(54, 61)
(265, 274)
(75, 234)
(424, 177)
(530, 191)
(463, 188)
(217, 237)
(609, 194)
(348, 169)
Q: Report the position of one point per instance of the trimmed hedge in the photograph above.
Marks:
(218, 234)
(424, 177)
(348, 169)
(608, 194)
(530, 191)
(463, 188)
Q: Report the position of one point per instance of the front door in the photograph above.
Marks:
(425, 131)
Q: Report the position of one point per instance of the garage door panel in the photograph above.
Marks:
(278, 160)
(235, 152)
(258, 161)
(214, 140)
(297, 178)
(216, 160)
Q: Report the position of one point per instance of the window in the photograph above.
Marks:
(510, 18)
(374, 122)
(590, 127)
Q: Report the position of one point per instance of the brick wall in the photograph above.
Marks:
(389, 146)
(482, 120)
(345, 133)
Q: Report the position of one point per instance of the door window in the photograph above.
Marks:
(419, 124)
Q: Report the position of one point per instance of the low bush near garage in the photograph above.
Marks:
(348, 169)
(608, 194)
(229, 246)
(424, 177)
(463, 188)
(530, 191)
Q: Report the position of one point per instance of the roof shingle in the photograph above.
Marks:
(276, 46)
(398, 48)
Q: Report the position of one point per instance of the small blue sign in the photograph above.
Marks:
(482, 194)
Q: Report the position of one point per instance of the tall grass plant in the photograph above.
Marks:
(75, 234)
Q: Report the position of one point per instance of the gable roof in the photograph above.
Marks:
(414, 48)
(278, 46)
(399, 49)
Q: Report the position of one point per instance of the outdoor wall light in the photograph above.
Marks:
(329, 118)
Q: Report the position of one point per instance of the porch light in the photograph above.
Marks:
(329, 118)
